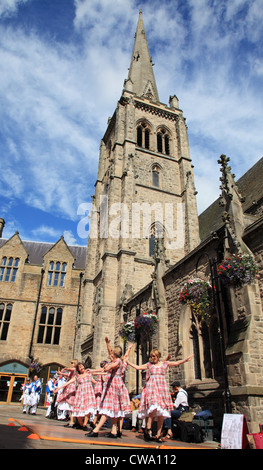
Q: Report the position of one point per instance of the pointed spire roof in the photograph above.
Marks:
(141, 73)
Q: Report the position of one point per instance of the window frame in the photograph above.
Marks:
(143, 135)
(56, 276)
(206, 346)
(8, 268)
(163, 141)
(50, 325)
(5, 319)
(156, 173)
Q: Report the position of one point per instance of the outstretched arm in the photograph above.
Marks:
(135, 366)
(126, 355)
(64, 385)
(95, 371)
(111, 366)
(108, 345)
(182, 361)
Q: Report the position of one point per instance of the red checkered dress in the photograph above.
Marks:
(115, 401)
(98, 391)
(155, 394)
(85, 402)
(66, 397)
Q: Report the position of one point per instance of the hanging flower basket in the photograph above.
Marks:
(198, 294)
(239, 269)
(146, 324)
(127, 332)
(35, 367)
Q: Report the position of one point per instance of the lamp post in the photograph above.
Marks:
(216, 287)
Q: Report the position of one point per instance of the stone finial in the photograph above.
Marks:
(2, 224)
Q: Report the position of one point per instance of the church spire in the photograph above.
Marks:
(141, 76)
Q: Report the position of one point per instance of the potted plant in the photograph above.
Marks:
(198, 294)
(127, 331)
(238, 269)
(146, 324)
(35, 367)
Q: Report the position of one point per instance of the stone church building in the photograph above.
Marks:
(146, 241)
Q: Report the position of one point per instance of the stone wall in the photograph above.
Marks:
(27, 296)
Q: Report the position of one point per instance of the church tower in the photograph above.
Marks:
(144, 192)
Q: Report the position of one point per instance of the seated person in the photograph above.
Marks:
(180, 405)
(135, 402)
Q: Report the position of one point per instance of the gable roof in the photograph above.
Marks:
(36, 251)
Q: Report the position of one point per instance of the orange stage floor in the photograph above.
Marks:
(53, 430)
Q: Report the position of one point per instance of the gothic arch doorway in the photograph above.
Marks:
(47, 371)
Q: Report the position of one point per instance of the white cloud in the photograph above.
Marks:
(56, 97)
(216, 74)
(45, 111)
(69, 237)
(44, 230)
(9, 7)
(47, 232)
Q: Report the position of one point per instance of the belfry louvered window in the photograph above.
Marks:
(163, 142)
(143, 136)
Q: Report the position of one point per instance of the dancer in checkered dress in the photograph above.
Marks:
(98, 392)
(65, 399)
(84, 402)
(115, 401)
(155, 397)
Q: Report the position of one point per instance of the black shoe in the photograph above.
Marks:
(147, 435)
(119, 434)
(111, 436)
(76, 426)
(92, 434)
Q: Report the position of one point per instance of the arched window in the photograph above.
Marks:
(156, 176)
(5, 318)
(157, 233)
(143, 135)
(147, 138)
(139, 136)
(50, 325)
(159, 143)
(166, 144)
(196, 349)
(206, 346)
(163, 142)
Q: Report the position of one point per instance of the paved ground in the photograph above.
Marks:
(23, 431)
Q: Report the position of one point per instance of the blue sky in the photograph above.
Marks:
(63, 64)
